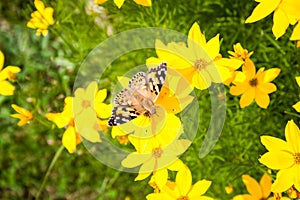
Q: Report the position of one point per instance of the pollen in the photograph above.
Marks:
(183, 198)
(86, 104)
(253, 82)
(201, 64)
(157, 152)
(297, 158)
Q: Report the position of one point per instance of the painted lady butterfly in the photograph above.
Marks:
(140, 97)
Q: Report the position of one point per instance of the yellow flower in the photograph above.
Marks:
(297, 105)
(88, 104)
(285, 12)
(41, 19)
(70, 138)
(119, 3)
(24, 115)
(254, 85)
(229, 189)
(240, 53)
(257, 191)
(182, 188)
(285, 157)
(199, 62)
(9, 72)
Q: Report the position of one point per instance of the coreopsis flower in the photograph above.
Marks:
(88, 104)
(119, 3)
(286, 12)
(254, 86)
(182, 188)
(9, 72)
(199, 62)
(297, 105)
(240, 53)
(257, 191)
(229, 189)
(65, 119)
(24, 115)
(41, 19)
(285, 157)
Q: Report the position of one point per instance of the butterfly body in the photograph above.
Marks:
(140, 97)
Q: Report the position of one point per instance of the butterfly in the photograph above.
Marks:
(140, 96)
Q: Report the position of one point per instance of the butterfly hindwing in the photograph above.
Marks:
(121, 115)
(138, 81)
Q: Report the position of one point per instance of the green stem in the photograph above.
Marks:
(56, 156)
(293, 114)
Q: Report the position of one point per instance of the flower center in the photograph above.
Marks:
(157, 152)
(297, 158)
(86, 104)
(253, 82)
(12, 76)
(200, 64)
(183, 198)
(263, 198)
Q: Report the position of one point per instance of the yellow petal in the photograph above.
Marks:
(161, 177)
(48, 15)
(184, 181)
(277, 160)
(292, 135)
(263, 9)
(284, 180)
(298, 80)
(69, 139)
(99, 1)
(201, 80)
(265, 184)
(59, 119)
(247, 97)
(142, 176)
(1, 60)
(196, 36)
(199, 188)
(267, 87)
(281, 23)
(296, 32)
(249, 69)
(158, 196)
(270, 74)
(252, 186)
(297, 106)
(239, 89)
(119, 3)
(39, 5)
(135, 159)
(262, 99)
(6, 88)
(243, 197)
(213, 47)
(275, 144)
(143, 2)
(123, 80)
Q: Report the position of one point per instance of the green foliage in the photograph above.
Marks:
(49, 66)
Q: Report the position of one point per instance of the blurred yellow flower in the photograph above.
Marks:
(88, 104)
(119, 3)
(297, 105)
(257, 191)
(285, 12)
(9, 72)
(182, 188)
(199, 62)
(65, 119)
(41, 19)
(229, 189)
(254, 86)
(285, 157)
(24, 115)
(240, 53)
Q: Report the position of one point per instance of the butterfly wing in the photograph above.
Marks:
(122, 114)
(155, 79)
